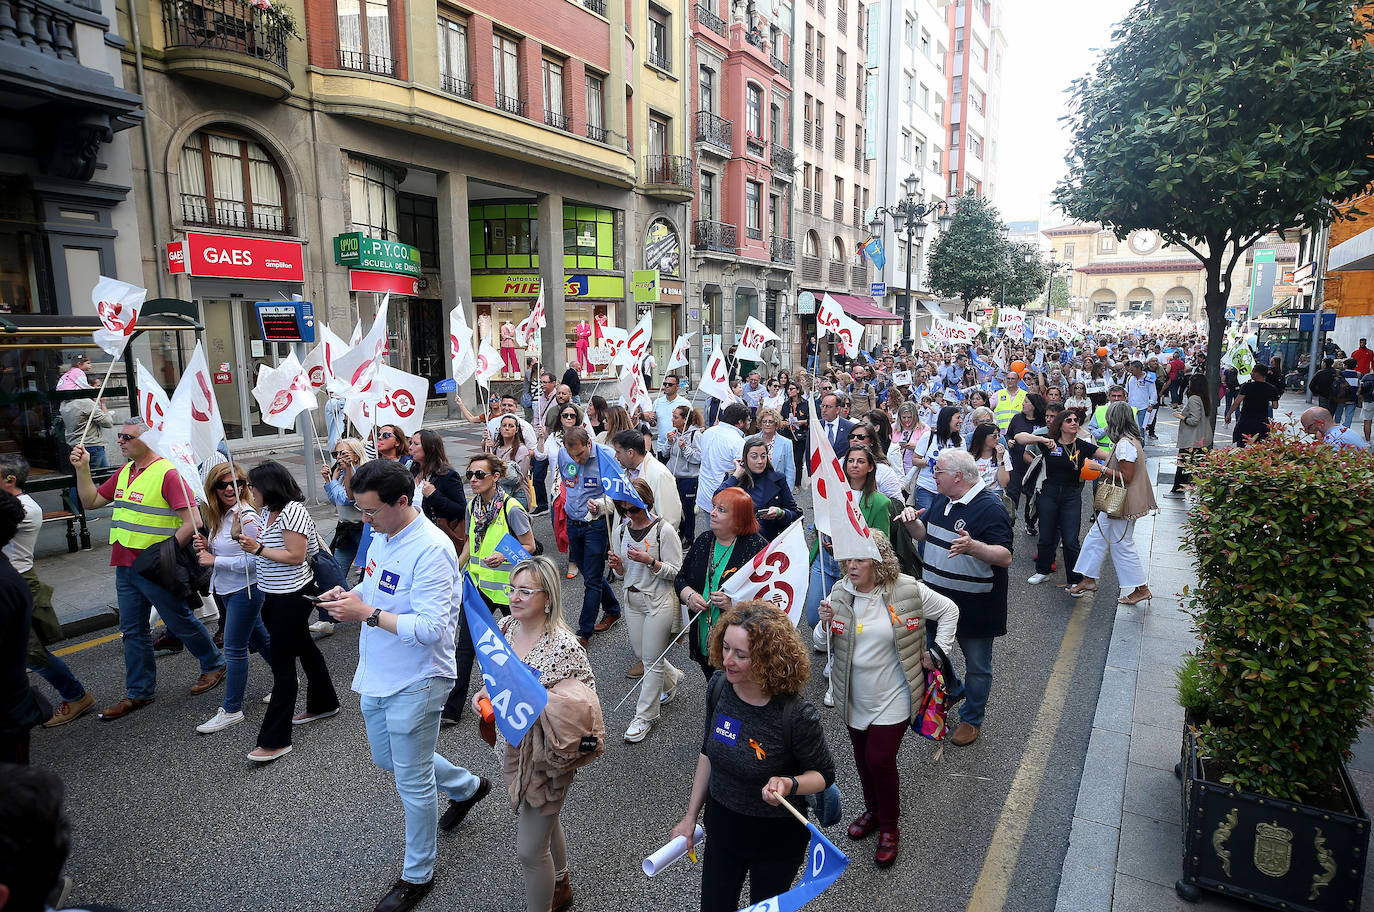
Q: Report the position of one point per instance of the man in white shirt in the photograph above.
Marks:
(754, 391)
(721, 446)
(1141, 395)
(408, 601)
(76, 699)
(637, 463)
(663, 413)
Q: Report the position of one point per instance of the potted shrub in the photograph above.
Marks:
(1282, 535)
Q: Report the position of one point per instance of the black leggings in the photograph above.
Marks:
(287, 617)
(769, 851)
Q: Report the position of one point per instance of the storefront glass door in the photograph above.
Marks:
(235, 349)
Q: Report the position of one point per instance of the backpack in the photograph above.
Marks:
(1367, 388)
(827, 803)
(1338, 390)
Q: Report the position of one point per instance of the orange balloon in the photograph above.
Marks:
(1018, 367)
(1102, 352)
(1089, 472)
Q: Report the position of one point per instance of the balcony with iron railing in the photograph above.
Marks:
(714, 236)
(753, 144)
(511, 105)
(755, 37)
(196, 212)
(366, 63)
(783, 160)
(661, 58)
(557, 119)
(596, 133)
(753, 232)
(784, 69)
(836, 273)
(715, 131)
(781, 249)
(455, 86)
(811, 269)
(709, 20)
(668, 177)
(596, 6)
(228, 42)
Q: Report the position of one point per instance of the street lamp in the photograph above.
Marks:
(1049, 283)
(910, 216)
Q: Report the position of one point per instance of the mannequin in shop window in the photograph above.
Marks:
(583, 333)
(510, 364)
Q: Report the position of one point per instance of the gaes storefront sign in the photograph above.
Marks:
(360, 252)
(526, 285)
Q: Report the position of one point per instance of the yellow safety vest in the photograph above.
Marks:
(1100, 416)
(491, 580)
(1008, 407)
(142, 516)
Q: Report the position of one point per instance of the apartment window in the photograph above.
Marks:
(810, 50)
(365, 36)
(839, 193)
(1068, 251)
(659, 53)
(908, 88)
(658, 136)
(596, 107)
(925, 43)
(820, 58)
(706, 196)
(706, 90)
(554, 111)
(228, 180)
(940, 57)
(975, 146)
(906, 145)
(956, 86)
(954, 183)
(939, 112)
(858, 143)
(909, 32)
(774, 213)
(976, 100)
(775, 131)
(1106, 244)
(959, 41)
(589, 237)
(453, 57)
(937, 160)
(917, 154)
(925, 97)
(753, 110)
(753, 211)
(840, 73)
(418, 225)
(505, 54)
(372, 198)
(980, 54)
(817, 182)
(839, 135)
(954, 137)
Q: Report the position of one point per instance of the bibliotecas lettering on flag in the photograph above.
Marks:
(319, 364)
(831, 318)
(753, 339)
(715, 380)
(460, 345)
(836, 505)
(117, 304)
(680, 350)
(356, 368)
(824, 865)
(778, 574)
(516, 695)
(283, 392)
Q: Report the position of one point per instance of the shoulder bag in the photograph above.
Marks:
(1110, 497)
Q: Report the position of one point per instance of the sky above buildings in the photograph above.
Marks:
(1050, 43)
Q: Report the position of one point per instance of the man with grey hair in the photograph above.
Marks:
(1318, 422)
(968, 538)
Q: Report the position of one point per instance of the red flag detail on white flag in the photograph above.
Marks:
(715, 380)
(153, 404)
(680, 350)
(319, 364)
(355, 369)
(640, 337)
(283, 392)
(831, 318)
(488, 363)
(403, 399)
(195, 416)
(755, 336)
(836, 503)
(117, 304)
(778, 574)
(460, 345)
(633, 390)
(533, 322)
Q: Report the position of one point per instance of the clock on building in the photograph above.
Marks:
(1144, 241)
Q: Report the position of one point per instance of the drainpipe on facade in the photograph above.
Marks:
(154, 213)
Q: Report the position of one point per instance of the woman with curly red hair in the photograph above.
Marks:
(731, 542)
(763, 744)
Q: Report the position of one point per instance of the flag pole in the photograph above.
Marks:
(685, 627)
(783, 802)
(98, 395)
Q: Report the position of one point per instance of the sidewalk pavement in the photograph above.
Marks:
(1126, 842)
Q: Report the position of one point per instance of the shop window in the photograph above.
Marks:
(418, 225)
(588, 237)
(503, 236)
(372, 194)
(229, 181)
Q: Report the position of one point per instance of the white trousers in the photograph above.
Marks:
(1117, 536)
(651, 618)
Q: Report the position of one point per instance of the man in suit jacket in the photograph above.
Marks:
(834, 425)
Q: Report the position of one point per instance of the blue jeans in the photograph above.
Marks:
(61, 678)
(1142, 420)
(588, 545)
(1345, 413)
(924, 499)
(977, 678)
(811, 364)
(136, 597)
(403, 730)
(1061, 513)
(243, 629)
(825, 573)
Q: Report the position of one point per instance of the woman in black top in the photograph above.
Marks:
(438, 489)
(795, 413)
(762, 744)
(1032, 416)
(1060, 502)
(773, 502)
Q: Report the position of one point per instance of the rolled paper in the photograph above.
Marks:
(671, 852)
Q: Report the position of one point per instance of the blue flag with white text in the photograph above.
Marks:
(1027, 333)
(613, 481)
(510, 546)
(824, 865)
(516, 695)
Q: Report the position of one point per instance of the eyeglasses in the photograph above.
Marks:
(385, 435)
(229, 483)
(125, 438)
(521, 591)
(1069, 419)
(941, 472)
(371, 513)
(341, 454)
(478, 474)
(858, 436)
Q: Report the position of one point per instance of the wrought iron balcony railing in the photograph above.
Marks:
(221, 25)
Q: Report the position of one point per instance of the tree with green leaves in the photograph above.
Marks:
(1059, 294)
(1026, 275)
(969, 261)
(1216, 122)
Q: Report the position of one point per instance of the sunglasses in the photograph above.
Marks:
(1070, 419)
(385, 435)
(125, 438)
(478, 474)
(568, 415)
(858, 436)
(229, 483)
(342, 454)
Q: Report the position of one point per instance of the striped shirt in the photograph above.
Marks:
(978, 588)
(274, 576)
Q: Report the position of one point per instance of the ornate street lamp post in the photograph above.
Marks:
(910, 216)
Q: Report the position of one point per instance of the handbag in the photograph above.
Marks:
(325, 569)
(1110, 497)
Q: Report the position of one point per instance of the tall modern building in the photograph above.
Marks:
(743, 253)
(976, 48)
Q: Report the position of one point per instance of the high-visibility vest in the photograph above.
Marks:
(491, 580)
(142, 516)
(1007, 407)
(1100, 416)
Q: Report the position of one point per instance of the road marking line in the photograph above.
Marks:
(98, 641)
(999, 865)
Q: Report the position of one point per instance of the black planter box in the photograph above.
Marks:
(1270, 852)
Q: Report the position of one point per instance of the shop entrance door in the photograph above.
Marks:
(428, 345)
(234, 338)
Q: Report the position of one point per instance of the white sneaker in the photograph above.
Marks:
(638, 731)
(322, 627)
(221, 721)
(670, 694)
(1037, 578)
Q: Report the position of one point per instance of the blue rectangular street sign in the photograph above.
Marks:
(877, 289)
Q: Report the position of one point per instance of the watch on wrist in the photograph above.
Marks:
(374, 618)
(796, 786)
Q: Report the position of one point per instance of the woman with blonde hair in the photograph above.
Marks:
(763, 745)
(542, 639)
(779, 446)
(877, 620)
(227, 513)
(614, 419)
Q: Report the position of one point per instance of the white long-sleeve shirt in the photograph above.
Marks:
(720, 447)
(234, 567)
(1141, 392)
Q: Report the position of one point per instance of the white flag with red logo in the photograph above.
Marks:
(356, 369)
(638, 342)
(533, 322)
(460, 345)
(488, 363)
(195, 415)
(633, 390)
(755, 336)
(153, 404)
(830, 317)
(283, 392)
(613, 342)
(835, 502)
(117, 304)
(319, 364)
(680, 350)
(715, 380)
(403, 399)
(778, 574)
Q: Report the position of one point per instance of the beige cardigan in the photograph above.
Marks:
(1194, 428)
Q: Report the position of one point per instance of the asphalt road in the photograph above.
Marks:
(167, 819)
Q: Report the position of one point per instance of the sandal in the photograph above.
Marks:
(1078, 590)
(1137, 595)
